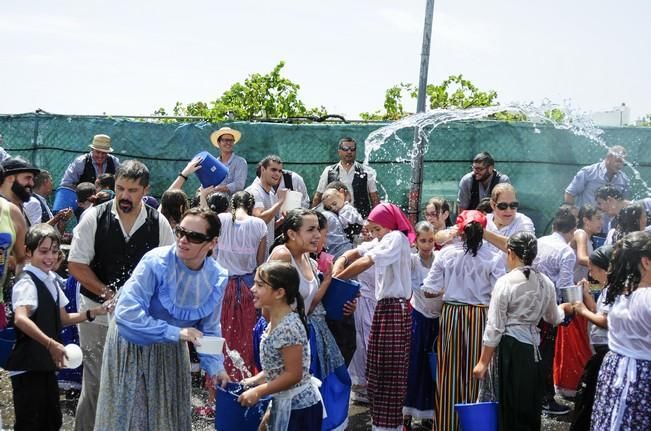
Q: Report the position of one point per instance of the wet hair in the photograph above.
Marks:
(219, 202)
(39, 233)
(173, 204)
(293, 221)
(601, 257)
(501, 188)
(345, 140)
(422, 227)
(473, 236)
(484, 158)
(133, 170)
(606, 192)
(264, 163)
(244, 200)
(628, 220)
(586, 211)
(106, 181)
(616, 151)
(624, 273)
(484, 205)
(564, 221)
(323, 221)
(525, 246)
(283, 275)
(103, 196)
(85, 192)
(441, 206)
(41, 178)
(209, 216)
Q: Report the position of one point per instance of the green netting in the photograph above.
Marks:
(540, 160)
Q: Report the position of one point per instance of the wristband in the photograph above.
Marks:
(88, 316)
(182, 176)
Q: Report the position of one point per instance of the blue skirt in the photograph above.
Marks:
(309, 418)
(419, 402)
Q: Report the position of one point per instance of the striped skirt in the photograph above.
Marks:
(238, 320)
(388, 361)
(459, 348)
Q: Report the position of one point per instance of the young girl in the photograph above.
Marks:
(39, 314)
(425, 313)
(285, 353)
(389, 340)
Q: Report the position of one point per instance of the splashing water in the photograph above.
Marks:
(238, 361)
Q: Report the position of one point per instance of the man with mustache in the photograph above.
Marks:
(107, 244)
(478, 184)
(87, 167)
(18, 183)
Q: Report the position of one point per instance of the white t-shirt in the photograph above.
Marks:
(520, 223)
(392, 263)
(264, 200)
(629, 325)
(238, 243)
(428, 307)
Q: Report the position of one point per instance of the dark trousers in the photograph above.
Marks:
(586, 391)
(345, 335)
(36, 401)
(547, 348)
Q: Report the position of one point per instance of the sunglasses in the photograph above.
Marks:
(504, 205)
(348, 148)
(193, 237)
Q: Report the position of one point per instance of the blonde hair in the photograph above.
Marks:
(501, 188)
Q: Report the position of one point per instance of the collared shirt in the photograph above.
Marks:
(76, 168)
(298, 184)
(264, 200)
(237, 170)
(24, 291)
(465, 187)
(590, 178)
(346, 177)
(33, 209)
(556, 260)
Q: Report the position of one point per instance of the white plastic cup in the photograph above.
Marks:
(292, 200)
(75, 356)
(210, 345)
(571, 293)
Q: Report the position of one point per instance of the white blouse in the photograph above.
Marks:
(520, 223)
(367, 278)
(392, 266)
(629, 325)
(238, 243)
(428, 307)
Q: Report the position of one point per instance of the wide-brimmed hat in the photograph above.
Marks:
(214, 136)
(102, 143)
(17, 165)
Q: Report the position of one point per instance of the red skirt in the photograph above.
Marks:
(238, 320)
(572, 352)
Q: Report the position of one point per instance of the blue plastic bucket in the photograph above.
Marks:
(230, 415)
(339, 292)
(212, 171)
(7, 341)
(478, 416)
(65, 197)
(597, 241)
(433, 363)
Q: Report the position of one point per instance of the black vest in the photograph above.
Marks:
(115, 258)
(287, 179)
(360, 187)
(29, 354)
(45, 214)
(474, 190)
(89, 175)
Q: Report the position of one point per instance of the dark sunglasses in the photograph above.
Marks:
(348, 148)
(193, 237)
(504, 205)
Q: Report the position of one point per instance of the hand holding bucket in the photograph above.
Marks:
(212, 171)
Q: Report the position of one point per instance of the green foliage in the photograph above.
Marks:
(393, 108)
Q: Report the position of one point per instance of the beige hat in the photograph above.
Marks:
(102, 143)
(214, 137)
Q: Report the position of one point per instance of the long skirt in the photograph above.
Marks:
(144, 387)
(519, 383)
(571, 353)
(363, 320)
(387, 363)
(238, 319)
(459, 347)
(419, 402)
(623, 394)
(586, 392)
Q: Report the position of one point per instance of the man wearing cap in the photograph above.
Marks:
(88, 167)
(225, 139)
(359, 178)
(478, 184)
(18, 183)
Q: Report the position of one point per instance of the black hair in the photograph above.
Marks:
(484, 158)
(602, 256)
(39, 233)
(628, 220)
(484, 205)
(586, 211)
(133, 170)
(102, 196)
(106, 181)
(441, 205)
(2, 173)
(293, 221)
(85, 191)
(323, 221)
(264, 163)
(210, 217)
(473, 236)
(525, 246)
(605, 192)
(244, 200)
(218, 202)
(283, 275)
(624, 273)
(173, 204)
(564, 221)
(41, 178)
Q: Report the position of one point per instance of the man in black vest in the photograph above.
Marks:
(359, 178)
(107, 244)
(87, 167)
(478, 184)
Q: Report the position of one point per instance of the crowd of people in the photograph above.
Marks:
(470, 286)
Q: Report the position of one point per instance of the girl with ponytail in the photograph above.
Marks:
(284, 353)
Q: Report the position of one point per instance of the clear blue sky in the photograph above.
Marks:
(131, 57)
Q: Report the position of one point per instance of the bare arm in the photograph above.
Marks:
(317, 199)
(262, 251)
(496, 239)
(192, 167)
(68, 319)
(343, 261)
(484, 361)
(581, 239)
(358, 266)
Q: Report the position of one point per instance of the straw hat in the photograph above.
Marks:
(214, 137)
(102, 143)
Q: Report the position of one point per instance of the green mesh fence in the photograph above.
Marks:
(540, 160)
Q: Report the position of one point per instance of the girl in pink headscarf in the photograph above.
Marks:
(390, 337)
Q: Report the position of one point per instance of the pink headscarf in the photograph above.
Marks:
(391, 217)
(469, 216)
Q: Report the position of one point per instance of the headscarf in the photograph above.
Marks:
(469, 216)
(389, 216)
